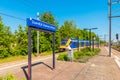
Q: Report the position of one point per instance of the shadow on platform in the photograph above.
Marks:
(24, 67)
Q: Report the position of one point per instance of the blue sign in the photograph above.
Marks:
(40, 25)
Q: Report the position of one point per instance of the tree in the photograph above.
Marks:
(21, 42)
(6, 39)
(46, 38)
(69, 30)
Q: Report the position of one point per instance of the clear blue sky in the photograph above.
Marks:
(86, 13)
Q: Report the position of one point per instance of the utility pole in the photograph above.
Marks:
(38, 36)
(109, 18)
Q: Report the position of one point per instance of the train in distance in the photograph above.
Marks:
(74, 43)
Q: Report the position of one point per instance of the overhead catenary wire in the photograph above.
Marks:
(118, 10)
(28, 4)
(25, 4)
(12, 16)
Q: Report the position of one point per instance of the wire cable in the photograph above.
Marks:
(12, 16)
(116, 11)
(28, 4)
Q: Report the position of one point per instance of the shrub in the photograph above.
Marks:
(78, 54)
(8, 77)
(89, 53)
(87, 49)
(63, 57)
(4, 53)
(92, 53)
(96, 51)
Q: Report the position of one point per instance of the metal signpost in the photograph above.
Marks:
(40, 26)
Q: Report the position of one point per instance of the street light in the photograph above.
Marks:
(38, 35)
(93, 42)
(90, 33)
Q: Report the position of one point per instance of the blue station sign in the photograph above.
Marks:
(40, 25)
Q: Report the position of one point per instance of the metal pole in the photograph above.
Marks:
(37, 36)
(53, 48)
(90, 37)
(29, 54)
(78, 43)
(99, 43)
(109, 13)
(93, 43)
(105, 39)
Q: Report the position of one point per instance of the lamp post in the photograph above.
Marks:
(90, 34)
(93, 42)
(78, 42)
(110, 2)
(38, 35)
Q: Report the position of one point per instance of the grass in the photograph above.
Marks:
(18, 58)
(13, 58)
(8, 77)
(46, 53)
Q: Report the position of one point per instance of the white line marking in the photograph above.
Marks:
(117, 62)
(108, 50)
(23, 63)
(116, 58)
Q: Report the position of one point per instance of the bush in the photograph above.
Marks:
(96, 51)
(92, 53)
(89, 53)
(78, 54)
(63, 57)
(8, 77)
(4, 53)
(87, 49)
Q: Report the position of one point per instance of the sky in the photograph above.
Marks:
(85, 13)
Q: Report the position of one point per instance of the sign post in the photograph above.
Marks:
(29, 53)
(45, 27)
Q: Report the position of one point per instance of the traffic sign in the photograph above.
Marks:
(40, 25)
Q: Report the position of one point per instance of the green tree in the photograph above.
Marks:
(6, 39)
(45, 37)
(21, 42)
(69, 30)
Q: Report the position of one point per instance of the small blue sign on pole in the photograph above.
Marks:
(40, 25)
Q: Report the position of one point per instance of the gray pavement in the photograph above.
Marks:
(99, 67)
